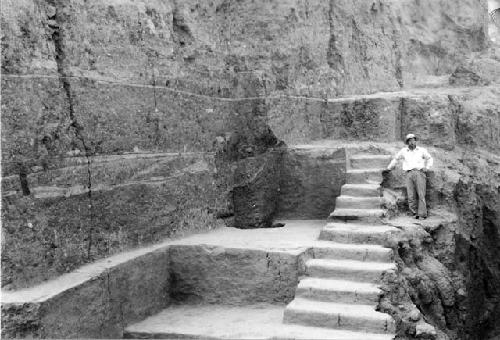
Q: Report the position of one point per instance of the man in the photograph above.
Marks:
(416, 162)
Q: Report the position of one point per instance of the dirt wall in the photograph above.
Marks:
(105, 78)
(132, 202)
(208, 274)
(448, 271)
(100, 307)
(310, 181)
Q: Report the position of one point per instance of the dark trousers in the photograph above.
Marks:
(415, 187)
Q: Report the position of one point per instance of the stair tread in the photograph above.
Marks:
(351, 310)
(357, 198)
(309, 332)
(359, 228)
(338, 285)
(355, 233)
(358, 212)
(368, 247)
(353, 202)
(359, 171)
(360, 190)
(362, 185)
(370, 156)
(350, 264)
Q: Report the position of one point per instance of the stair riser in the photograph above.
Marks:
(356, 219)
(338, 321)
(337, 296)
(353, 254)
(347, 237)
(370, 163)
(361, 203)
(359, 192)
(344, 274)
(372, 177)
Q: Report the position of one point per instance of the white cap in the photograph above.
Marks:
(409, 136)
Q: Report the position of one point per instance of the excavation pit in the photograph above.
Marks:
(226, 266)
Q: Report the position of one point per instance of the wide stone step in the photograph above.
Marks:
(338, 316)
(350, 202)
(360, 190)
(358, 252)
(340, 291)
(364, 176)
(356, 233)
(347, 269)
(367, 215)
(369, 161)
(260, 321)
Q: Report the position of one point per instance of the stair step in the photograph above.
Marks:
(369, 161)
(350, 202)
(347, 269)
(260, 321)
(368, 215)
(338, 316)
(360, 190)
(356, 233)
(364, 176)
(294, 331)
(341, 291)
(358, 252)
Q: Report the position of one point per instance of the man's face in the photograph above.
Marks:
(412, 143)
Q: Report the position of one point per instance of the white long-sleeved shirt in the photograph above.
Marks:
(417, 158)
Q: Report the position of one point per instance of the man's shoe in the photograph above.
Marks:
(423, 217)
(417, 217)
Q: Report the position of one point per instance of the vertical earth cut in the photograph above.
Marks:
(126, 122)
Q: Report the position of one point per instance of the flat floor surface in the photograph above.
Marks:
(263, 321)
(294, 235)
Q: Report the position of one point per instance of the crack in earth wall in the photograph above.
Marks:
(61, 17)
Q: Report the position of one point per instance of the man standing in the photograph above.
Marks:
(416, 162)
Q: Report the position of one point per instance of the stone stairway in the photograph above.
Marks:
(340, 290)
(336, 299)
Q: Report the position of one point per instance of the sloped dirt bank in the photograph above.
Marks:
(449, 265)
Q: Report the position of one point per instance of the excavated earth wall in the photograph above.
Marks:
(90, 87)
(310, 179)
(204, 274)
(108, 78)
(133, 201)
(449, 271)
